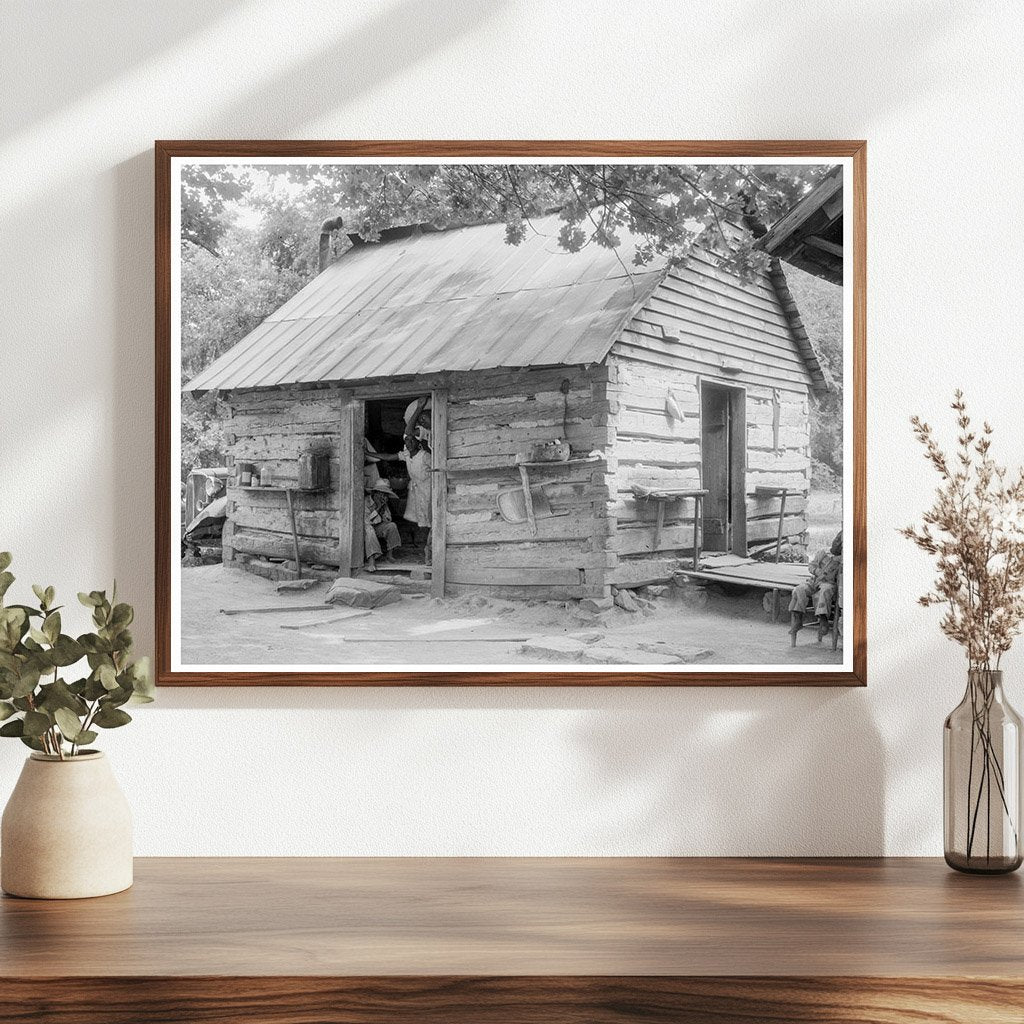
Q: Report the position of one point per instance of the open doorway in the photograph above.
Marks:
(723, 436)
(388, 467)
(397, 482)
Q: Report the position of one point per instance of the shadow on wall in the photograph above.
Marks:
(869, 39)
(748, 772)
(395, 38)
(98, 42)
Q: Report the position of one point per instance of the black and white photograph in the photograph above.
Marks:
(511, 414)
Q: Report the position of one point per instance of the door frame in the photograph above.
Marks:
(737, 455)
(350, 480)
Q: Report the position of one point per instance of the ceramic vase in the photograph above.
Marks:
(66, 831)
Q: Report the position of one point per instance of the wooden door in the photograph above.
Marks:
(438, 489)
(350, 487)
(723, 467)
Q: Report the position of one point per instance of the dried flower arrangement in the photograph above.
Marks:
(975, 529)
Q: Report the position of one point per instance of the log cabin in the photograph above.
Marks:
(682, 393)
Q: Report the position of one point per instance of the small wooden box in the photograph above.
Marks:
(314, 471)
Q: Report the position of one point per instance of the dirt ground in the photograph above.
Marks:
(476, 631)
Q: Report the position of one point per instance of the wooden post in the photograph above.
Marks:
(698, 528)
(295, 532)
(350, 488)
(531, 517)
(439, 489)
(782, 517)
(659, 524)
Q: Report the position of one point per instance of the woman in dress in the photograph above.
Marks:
(417, 459)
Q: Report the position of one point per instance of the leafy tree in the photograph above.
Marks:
(250, 233)
(821, 309)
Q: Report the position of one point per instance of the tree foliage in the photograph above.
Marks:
(250, 232)
(821, 308)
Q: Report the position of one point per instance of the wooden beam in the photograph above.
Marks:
(439, 489)
(817, 242)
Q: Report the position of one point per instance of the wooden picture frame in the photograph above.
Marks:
(853, 156)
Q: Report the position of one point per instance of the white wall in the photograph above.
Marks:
(85, 88)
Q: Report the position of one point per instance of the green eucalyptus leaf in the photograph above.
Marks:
(89, 600)
(13, 626)
(111, 718)
(6, 579)
(31, 741)
(97, 646)
(50, 594)
(69, 724)
(115, 698)
(66, 651)
(22, 703)
(86, 736)
(27, 682)
(40, 593)
(29, 611)
(6, 710)
(38, 636)
(122, 616)
(16, 727)
(36, 723)
(94, 689)
(59, 695)
(5, 559)
(51, 626)
(107, 676)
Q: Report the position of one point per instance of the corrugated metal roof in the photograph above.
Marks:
(452, 300)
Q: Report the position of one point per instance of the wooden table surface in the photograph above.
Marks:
(506, 939)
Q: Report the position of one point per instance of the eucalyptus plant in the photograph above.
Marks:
(37, 704)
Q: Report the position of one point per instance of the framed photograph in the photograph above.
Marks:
(492, 413)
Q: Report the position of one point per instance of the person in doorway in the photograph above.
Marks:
(379, 526)
(820, 588)
(417, 459)
(417, 418)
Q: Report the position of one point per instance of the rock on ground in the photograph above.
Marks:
(596, 604)
(626, 601)
(679, 652)
(560, 648)
(359, 593)
(605, 654)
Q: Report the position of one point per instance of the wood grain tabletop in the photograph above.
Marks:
(512, 916)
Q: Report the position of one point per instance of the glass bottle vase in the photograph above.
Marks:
(981, 771)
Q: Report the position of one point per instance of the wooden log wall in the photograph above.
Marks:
(494, 418)
(703, 322)
(273, 429)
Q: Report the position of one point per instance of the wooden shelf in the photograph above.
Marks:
(495, 941)
(295, 489)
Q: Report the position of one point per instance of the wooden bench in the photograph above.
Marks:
(662, 496)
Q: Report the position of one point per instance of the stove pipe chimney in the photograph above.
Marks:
(326, 230)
